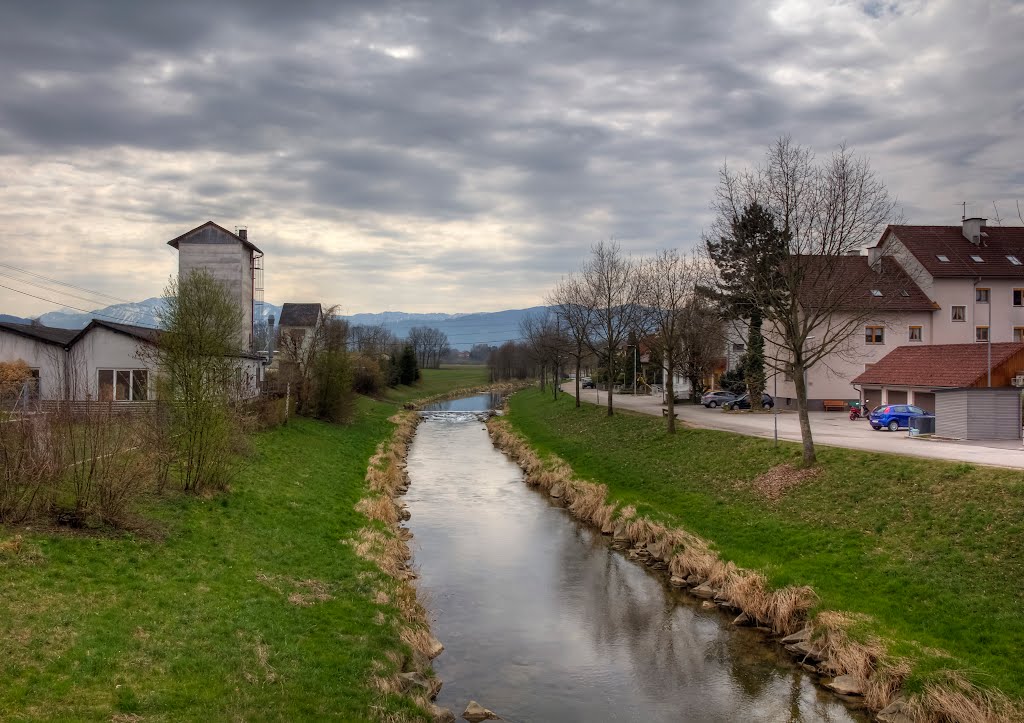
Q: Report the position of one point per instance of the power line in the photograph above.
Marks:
(46, 288)
(120, 320)
(64, 283)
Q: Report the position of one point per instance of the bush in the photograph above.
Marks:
(367, 377)
(332, 395)
(28, 468)
(733, 381)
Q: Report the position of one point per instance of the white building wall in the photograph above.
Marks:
(830, 378)
(47, 358)
(102, 348)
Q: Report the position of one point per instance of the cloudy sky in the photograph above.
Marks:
(460, 156)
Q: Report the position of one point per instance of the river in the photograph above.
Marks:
(543, 621)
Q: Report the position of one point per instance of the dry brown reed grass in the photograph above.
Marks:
(380, 508)
(954, 698)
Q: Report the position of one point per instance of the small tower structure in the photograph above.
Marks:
(231, 259)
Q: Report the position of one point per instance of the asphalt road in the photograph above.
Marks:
(831, 428)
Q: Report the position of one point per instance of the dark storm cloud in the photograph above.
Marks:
(517, 133)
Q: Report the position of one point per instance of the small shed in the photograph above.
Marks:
(978, 413)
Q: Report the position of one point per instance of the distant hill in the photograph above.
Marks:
(463, 330)
(8, 319)
(142, 313)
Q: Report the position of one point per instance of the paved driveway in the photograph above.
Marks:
(830, 428)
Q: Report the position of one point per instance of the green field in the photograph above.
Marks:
(930, 551)
(439, 381)
(248, 605)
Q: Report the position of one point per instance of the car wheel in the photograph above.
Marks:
(894, 426)
(712, 404)
(766, 405)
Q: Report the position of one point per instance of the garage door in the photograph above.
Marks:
(872, 397)
(925, 400)
(896, 396)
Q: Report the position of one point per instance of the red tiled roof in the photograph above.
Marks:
(851, 282)
(937, 365)
(997, 242)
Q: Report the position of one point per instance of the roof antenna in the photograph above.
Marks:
(963, 217)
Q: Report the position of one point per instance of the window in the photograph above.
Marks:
(1014, 260)
(915, 333)
(1018, 333)
(981, 333)
(981, 296)
(738, 347)
(977, 259)
(959, 313)
(876, 292)
(123, 385)
(904, 292)
(874, 334)
(1018, 297)
(943, 258)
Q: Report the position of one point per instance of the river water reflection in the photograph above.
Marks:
(543, 621)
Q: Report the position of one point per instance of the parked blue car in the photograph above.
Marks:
(894, 416)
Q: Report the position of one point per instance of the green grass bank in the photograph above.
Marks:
(928, 552)
(246, 605)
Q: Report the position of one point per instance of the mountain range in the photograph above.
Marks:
(463, 330)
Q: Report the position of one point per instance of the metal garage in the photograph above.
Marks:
(978, 413)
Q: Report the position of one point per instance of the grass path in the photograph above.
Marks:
(251, 606)
(929, 551)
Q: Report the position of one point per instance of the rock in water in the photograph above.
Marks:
(846, 685)
(556, 491)
(436, 648)
(475, 713)
(704, 591)
(441, 715)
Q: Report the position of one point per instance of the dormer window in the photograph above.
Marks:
(943, 258)
(876, 292)
(977, 259)
(905, 293)
(1013, 260)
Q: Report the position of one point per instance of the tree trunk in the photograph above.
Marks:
(611, 369)
(670, 400)
(579, 368)
(556, 379)
(800, 381)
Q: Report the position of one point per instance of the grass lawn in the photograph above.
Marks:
(249, 605)
(930, 551)
(440, 381)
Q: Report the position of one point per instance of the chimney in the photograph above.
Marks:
(243, 233)
(875, 258)
(270, 338)
(972, 229)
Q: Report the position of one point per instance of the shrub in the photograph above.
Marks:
(332, 395)
(28, 468)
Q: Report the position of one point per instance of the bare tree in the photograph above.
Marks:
(429, 344)
(545, 340)
(613, 287)
(700, 344)
(829, 211)
(669, 282)
(573, 306)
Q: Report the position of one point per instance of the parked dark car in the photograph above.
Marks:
(717, 399)
(744, 402)
(586, 383)
(894, 416)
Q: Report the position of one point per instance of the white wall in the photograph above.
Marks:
(229, 262)
(47, 358)
(830, 378)
(102, 348)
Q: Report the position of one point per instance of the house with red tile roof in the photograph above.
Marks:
(952, 287)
